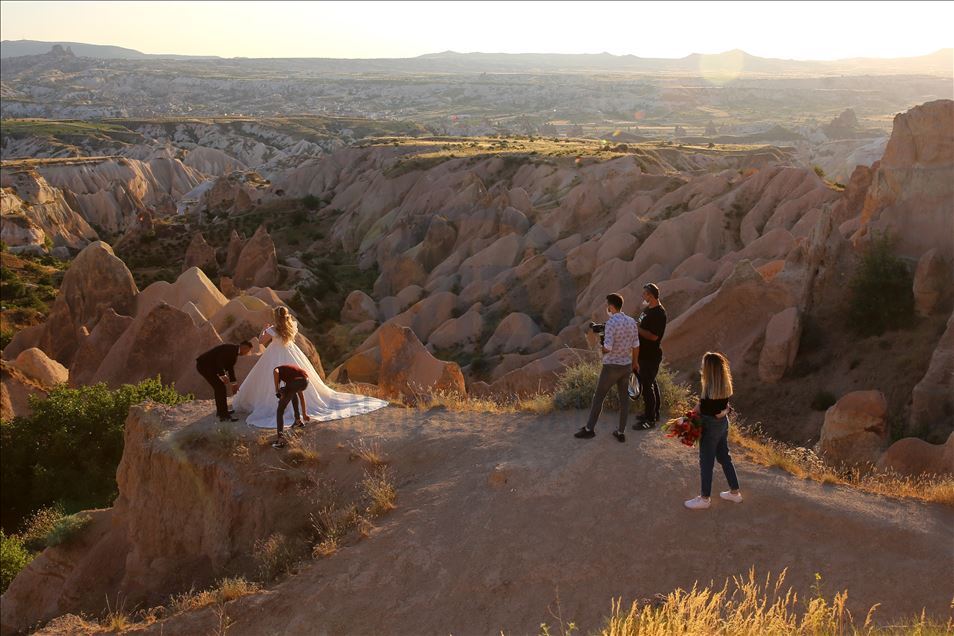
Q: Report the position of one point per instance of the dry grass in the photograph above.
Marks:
(298, 453)
(226, 590)
(367, 451)
(379, 490)
(805, 464)
(746, 606)
(539, 404)
(274, 556)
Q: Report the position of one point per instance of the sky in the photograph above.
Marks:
(788, 30)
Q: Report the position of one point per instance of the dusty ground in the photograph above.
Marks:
(498, 515)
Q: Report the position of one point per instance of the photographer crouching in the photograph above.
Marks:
(620, 345)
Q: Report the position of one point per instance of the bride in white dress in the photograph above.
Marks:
(256, 395)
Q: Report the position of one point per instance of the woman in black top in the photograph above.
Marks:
(714, 443)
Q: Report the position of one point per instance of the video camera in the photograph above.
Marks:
(600, 328)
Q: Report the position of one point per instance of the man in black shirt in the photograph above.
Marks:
(217, 363)
(652, 327)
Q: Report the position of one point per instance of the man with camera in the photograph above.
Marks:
(620, 345)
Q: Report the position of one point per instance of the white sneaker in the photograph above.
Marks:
(697, 503)
(728, 496)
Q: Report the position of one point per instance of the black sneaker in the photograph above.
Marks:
(584, 433)
(279, 443)
(228, 418)
(643, 424)
(620, 437)
(297, 425)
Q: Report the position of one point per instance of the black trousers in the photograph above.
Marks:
(218, 388)
(648, 370)
(289, 393)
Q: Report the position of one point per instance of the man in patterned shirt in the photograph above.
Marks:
(620, 349)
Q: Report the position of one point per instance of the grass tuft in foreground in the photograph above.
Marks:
(746, 606)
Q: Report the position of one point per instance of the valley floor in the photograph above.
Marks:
(500, 515)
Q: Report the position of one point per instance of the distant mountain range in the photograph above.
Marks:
(20, 48)
(940, 62)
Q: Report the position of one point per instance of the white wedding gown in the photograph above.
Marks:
(256, 395)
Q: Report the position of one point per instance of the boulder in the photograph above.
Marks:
(540, 376)
(782, 334)
(258, 263)
(37, 366)
(932, 280)
(913, 456)
(364, 366)
(855, 430)
(199, 254)
(513, 334)
(932, 401)
(408, 370)
(358, 307)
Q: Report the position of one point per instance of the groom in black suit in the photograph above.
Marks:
(217, 366)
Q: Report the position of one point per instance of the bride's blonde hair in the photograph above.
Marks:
(285, 325)
(716, 376)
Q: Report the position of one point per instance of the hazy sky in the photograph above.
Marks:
(791, 30)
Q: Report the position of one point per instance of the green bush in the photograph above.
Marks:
(67, 451)
(880, 291)
(311, 202)
(13, 557)
(577, 384)
(39, 526)
(67, 528)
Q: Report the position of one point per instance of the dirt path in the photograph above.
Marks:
(497, 515)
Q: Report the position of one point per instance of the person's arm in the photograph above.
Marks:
(650, 330)
(278, 392)
(647, 334)
(230, 363)
(609, 334)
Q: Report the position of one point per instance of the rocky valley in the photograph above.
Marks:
(451, 263)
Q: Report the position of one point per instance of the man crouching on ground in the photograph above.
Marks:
(620, 350)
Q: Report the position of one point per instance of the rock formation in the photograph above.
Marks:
(781, 345)
(912, 456)
(912, 189)
(200, 254)
(257, 265)
(932, 401)
(855, 430)
(96, 281)
(28, 205)
(932, 282)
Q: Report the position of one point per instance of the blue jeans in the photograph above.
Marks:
(714, 445)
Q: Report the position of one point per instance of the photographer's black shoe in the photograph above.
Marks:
(643, 424)
(620, 437)
(228, 418)
(584, 433)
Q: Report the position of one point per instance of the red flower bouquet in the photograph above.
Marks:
(687, 429)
